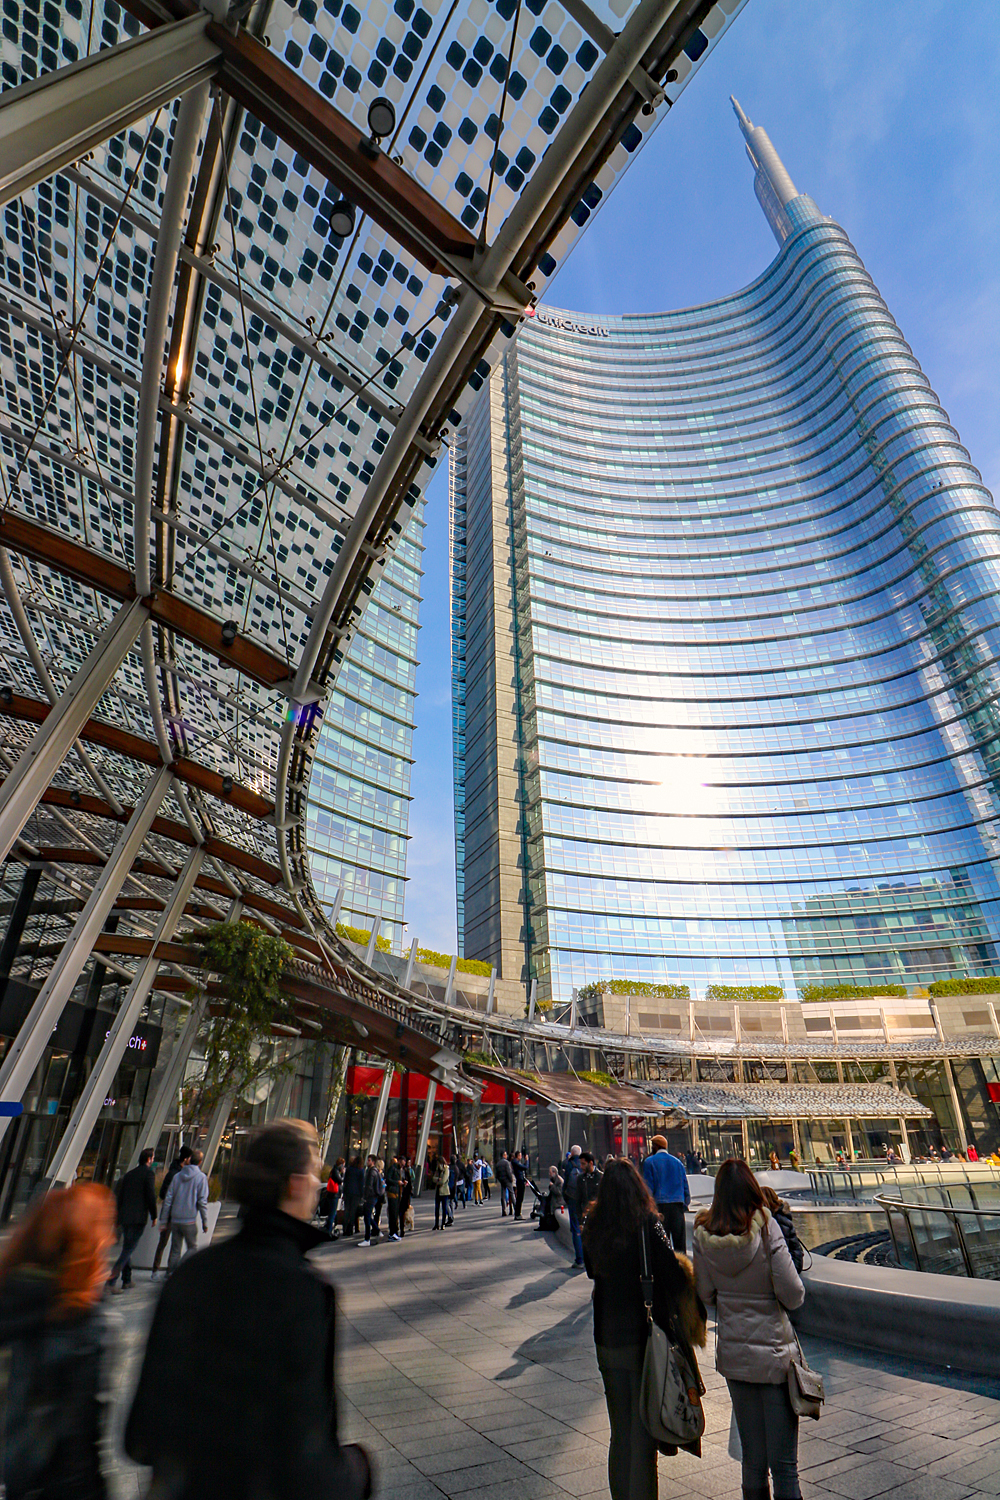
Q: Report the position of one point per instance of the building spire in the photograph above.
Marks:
(772, 184)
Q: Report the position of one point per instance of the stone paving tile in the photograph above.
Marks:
(467, 1365)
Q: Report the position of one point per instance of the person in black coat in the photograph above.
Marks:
(622, 1215)
(136, 1196)
(783, 1218)
(245, 1330)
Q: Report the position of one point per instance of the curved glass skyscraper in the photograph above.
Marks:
(725, 643)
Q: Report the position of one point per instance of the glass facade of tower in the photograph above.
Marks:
(744, 577)
(359, 794)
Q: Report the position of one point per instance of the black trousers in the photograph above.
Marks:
(769, 1436)
(518, 1199)
(632, 1455)
(672, 1215)
(393, 1201)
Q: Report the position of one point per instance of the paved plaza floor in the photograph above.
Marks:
(466, 1367)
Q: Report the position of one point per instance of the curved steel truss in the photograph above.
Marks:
(217, 413)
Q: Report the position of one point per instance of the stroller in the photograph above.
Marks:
(540, 1207)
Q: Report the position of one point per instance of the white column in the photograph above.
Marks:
(26, 1050)
(531, 999)
(474, 1125)
(955, 1101)
(380, 1110)
(40, 760)
(91, 1100)
(491, 993)
(425, 1129)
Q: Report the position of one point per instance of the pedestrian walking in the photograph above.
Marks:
(406, 1183)
(667, 1181)
(186, 1202)
(252, 1325)
(505, 1182)
(487, 1171)
(136, 1199)
(571, 1193)
(354, 1195)
(334, 1184)
(53, 1270)
(477, 1179)
(742, 1264)
(442, 1193)
(622, 1216)
(520, 1169)
(470, 1171)
(180, 1160)
(373, 1190)
(589, 1185)
(392, 1185)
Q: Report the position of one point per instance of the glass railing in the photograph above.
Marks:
(952, 1229)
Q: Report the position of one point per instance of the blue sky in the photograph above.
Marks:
(886, 113)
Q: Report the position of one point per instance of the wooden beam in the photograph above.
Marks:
(167, 828)
(71, 558)
(306, 122)
(110, 737)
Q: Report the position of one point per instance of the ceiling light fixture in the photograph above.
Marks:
(342, 218)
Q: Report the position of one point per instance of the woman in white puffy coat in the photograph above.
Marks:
(750, 1283)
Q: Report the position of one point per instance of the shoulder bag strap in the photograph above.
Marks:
(646, 1274)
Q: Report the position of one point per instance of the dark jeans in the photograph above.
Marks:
(769, 1434)
(574, 1229)
(373, 1212)
(161, 1245)
(672, 1215)
(352, 1207)
(442, 1212)
(331, 1217)
(518, 1199)
(632, 1455)
(131, 1235)
(393, 1202)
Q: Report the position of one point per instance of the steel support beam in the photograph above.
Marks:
(66, 555)
(474, 1126)
(522, 1109)
(372, 941)
(38, 764)
(96, 732)
(55, 119)
(491, 995)
(27, 1048)
(91, 1100)
(420, 1160)
(408, 976)
(450, 987)
(173, 1075)
(380, 1109)
(216, 1129)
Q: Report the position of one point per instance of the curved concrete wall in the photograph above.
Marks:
(938, 1320)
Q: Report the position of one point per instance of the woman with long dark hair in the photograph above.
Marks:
(53, 1271)
(742, 1264)
(612, 1250)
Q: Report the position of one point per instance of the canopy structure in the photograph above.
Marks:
(565, 1093)
(257, 256)
(754, 1101)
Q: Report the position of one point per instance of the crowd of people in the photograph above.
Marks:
(257, 1321)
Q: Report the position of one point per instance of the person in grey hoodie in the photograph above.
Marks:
(186, 1202)
(742, 1265)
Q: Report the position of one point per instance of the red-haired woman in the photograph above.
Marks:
(53, 1270)
(742, 1264)
(621, 1214)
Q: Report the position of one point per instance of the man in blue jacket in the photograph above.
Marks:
(667, 1181)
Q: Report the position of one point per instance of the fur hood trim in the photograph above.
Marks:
(691, 1313)
(732, 1241)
